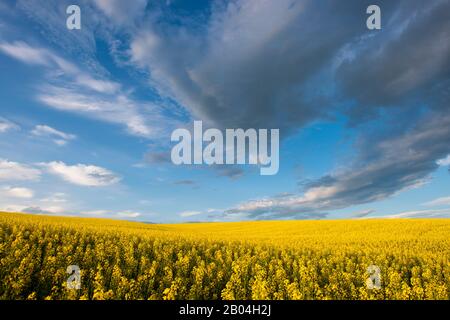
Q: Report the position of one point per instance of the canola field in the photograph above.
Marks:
(244, 260)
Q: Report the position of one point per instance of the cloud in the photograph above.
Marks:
(409, 63)
(26, 54)
(6, 125)
(16, 192)
(232, 69)
(186, 214)
(55, 198)
(43, 210)
(394, 160)
(128, 214)
(267, 75)
(282, 75)
(238, 62)
(70, 89)
(81, 174)
(444, 201)
(59, 137)
(444, 161)
(49, 18)
(384, 167)
(12, 171)
(94, 212)
(442, 213)
(117, 109)
(362, 214)
(45, 58)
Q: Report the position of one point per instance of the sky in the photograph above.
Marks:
(86, 115)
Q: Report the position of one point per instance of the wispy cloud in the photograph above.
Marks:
(186, 214)
(128, 214)
(443, 213)
(59, 137)
(72, 90)
(444, 201)
(362, 213)
(112, 214)
(59, 66)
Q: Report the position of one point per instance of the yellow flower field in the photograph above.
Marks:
(246, 260)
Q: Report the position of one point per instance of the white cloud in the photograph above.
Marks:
(442, 213)
(59, 137)
(10, 170)
(98, 85)
(81, 174)
(111, 214)
(189, 213)
(94, 212)
(24, 53)
(6, 125)
(444, 201)
(16, 192)
(43, 130)
(444, 162)
(128, 214)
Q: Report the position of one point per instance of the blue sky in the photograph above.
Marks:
(86, 115)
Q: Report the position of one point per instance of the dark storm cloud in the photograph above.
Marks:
(283, 64)
(409, 59)
(270, 64)
(255, 62)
